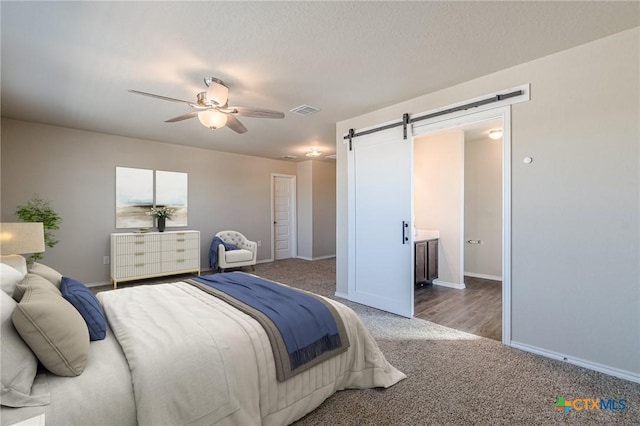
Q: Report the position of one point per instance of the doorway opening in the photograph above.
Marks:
(458, 168)
(380, 251)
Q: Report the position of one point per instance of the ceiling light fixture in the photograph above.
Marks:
(313, 153)
(495, 134)
(217, 91)
(213, 119)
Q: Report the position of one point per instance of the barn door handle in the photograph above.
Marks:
(405, 227)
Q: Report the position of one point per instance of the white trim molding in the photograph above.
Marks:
(491, 111)
(611, 371)
(329, 256)
(341, 295)
(450, 285)
(483, 276)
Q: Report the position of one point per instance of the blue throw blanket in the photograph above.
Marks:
(306, 325)
(213, 251)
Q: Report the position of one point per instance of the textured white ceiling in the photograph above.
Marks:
(71, 63)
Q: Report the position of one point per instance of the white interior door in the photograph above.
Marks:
(283, 216)
(380, 214)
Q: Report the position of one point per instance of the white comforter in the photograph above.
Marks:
(196, 360)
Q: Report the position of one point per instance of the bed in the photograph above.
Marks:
(175, 354)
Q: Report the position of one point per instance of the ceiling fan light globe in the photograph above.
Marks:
(218, 93)
(212, 119)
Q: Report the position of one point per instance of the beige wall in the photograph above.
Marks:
(324, 209)
(76, 170)
(483, 207)
(316, 189)
(304, 211)
(438, 179)
(575, 209)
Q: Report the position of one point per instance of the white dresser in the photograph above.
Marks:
(153, 254)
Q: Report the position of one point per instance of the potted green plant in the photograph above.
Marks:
(39, 210)
(161, 213)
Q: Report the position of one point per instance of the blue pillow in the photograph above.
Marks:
(86, 303)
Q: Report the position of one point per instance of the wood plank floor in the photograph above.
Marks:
(477, 309)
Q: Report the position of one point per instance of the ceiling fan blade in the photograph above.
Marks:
(255, 112)
(164, 98)
(182, 117)
(235, 125)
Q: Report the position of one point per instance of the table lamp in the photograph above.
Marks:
(20, 238)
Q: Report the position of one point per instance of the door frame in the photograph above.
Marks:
(293, 238)
(504, 113)
(504, 105)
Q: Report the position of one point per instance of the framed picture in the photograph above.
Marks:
(134, 197)
(172, 191)
(137, 190)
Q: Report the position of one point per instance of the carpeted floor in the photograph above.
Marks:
(455, 378)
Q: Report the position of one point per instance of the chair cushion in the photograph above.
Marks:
(240, 255)
(232, 237)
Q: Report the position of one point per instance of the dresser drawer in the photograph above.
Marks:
(137, 258)
(181, 264)
(180, 244)
(136, 270)
(131, 244)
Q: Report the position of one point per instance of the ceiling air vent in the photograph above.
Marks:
(289, 157)
(305, 110)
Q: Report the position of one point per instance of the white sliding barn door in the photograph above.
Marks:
(380, 213)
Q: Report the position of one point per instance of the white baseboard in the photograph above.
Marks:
(329, 256)
(483, 276)
(98, 284)
(341, 295)
(447, 284)
(611, 371)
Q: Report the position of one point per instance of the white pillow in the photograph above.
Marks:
(16, 262)
(9, 277)
(19, 364)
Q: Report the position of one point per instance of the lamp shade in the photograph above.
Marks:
(217, 92)
(212, 119)
(21, 238)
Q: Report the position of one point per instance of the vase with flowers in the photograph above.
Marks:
(161, 213)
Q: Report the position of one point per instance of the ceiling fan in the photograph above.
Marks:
(213, 110)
